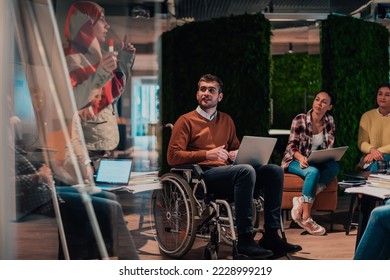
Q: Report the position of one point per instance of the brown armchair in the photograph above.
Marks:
(325, 201)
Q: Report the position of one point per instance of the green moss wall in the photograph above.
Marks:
(295, 80)
(237, 49)
(355, 61)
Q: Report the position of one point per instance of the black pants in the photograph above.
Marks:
(243, 182)
(78, 231)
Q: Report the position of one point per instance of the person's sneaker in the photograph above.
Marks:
(248, 247)
(278, 245)
(296, 211)
(312, 227)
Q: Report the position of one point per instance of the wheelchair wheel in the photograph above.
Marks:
(173, 209)
(257, 207)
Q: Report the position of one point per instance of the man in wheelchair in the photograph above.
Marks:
(208, 137)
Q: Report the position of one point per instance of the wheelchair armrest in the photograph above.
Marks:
(195, 168)
(198, 171)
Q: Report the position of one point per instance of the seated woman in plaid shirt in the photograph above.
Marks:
(314, 130)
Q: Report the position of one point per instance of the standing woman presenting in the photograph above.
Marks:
(98, 77)
(314, 130)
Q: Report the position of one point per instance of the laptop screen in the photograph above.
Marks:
(255, 150)
(320, 156)
(114, 171)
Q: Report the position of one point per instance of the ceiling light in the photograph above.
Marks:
(140, 11)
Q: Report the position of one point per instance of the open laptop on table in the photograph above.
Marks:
(320, 156)
(255, 150)
(113, 174)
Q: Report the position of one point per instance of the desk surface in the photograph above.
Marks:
(371, 191)
(139, 182)
(360, 175)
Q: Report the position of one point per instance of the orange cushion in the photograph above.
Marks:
(326, 200)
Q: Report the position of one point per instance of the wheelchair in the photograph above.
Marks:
(183, 209)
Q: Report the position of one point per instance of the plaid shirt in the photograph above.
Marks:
(301, 136)
(31, 196)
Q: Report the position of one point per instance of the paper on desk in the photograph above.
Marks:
(137, 175)
(139, 186)
(379, 181)
(352, 183)
(379, 184)
(383, 177)
(143, 187)
(139, 182)
(143, 181)
(371, 191)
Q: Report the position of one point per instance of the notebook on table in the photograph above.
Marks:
(320, 156)
(113, 174)
(255, 150)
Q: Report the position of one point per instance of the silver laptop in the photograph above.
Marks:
(113, 174)
(320, 156)
(255, 150)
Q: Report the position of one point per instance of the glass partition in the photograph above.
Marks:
(43, 120)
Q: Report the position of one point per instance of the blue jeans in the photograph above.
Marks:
(241, 183)
(374, 166)
(375, 242)
(316, 176)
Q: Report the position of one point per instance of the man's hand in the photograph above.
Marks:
(232, 155)
(217, 154)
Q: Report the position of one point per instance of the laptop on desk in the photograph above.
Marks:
(113, 174)
(320, 156)
(255, 150)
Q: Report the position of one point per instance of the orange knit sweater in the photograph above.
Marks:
(193, 135)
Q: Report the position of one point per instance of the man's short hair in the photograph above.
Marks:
(211, 78)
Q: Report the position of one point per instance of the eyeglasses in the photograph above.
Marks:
(212, 90)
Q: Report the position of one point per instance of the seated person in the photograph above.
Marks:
(374, 131)
(375, 242)
(207, 137)
(311, 131)
(34, 197)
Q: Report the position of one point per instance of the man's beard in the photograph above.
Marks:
(207, 105)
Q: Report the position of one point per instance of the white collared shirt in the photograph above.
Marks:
(205, 115)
